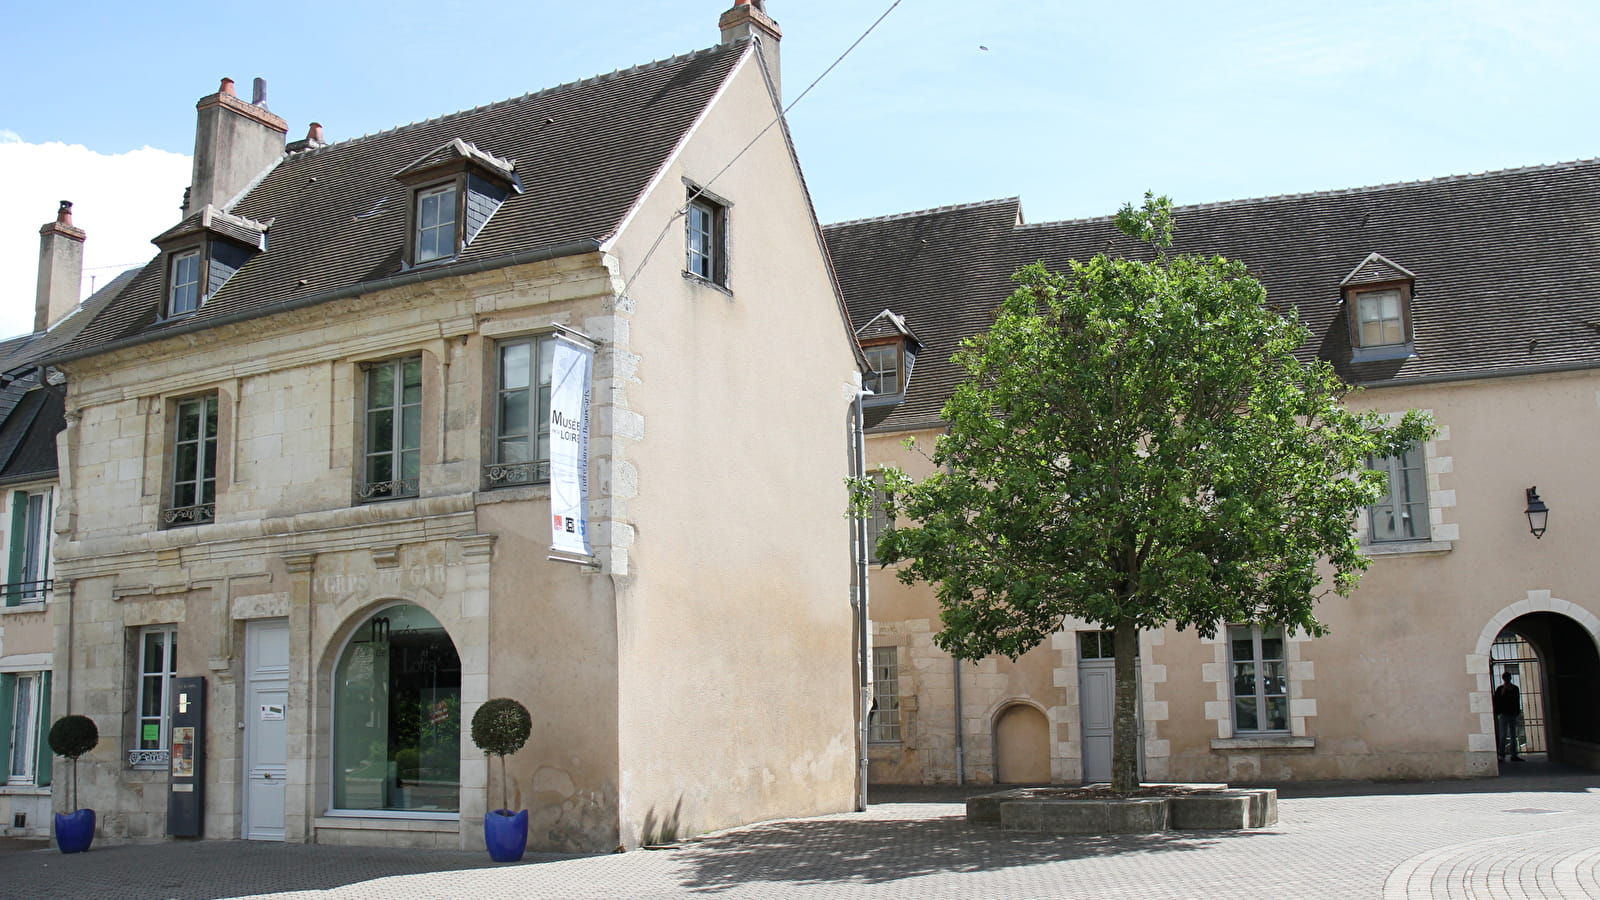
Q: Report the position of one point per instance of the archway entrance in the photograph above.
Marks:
(1022, 746)
(1554, 663)
(397, 716)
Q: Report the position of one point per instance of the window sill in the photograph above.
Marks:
(26, 606)
(510, 493)
(1264, 742)
(1384, 352)
(390, 819)
(1407, 548)
(706, 282)
(24, 790)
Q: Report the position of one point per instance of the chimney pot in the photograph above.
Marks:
(226, 87)
(64, 214)
(258, 93)
(315, 132)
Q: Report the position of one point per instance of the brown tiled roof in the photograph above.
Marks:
(585, 151)
(1506, 266)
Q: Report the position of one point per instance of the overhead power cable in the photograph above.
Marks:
(702, 189)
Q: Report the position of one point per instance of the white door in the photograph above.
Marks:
(1097, 683)
(266, 733)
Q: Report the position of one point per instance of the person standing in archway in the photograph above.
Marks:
(1507, 710)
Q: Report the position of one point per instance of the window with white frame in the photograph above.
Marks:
(194, 462)
(884, 723)
(28, 570)
(878, 521)
(183, 283)
(25, 713)
(1260, 678)
(158, 663)
(522, 411)
(1380, 318)
(436, 223)
(1402, 514)
(706, 239)
(393, 455)
(883, 362)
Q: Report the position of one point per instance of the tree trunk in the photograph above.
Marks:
(1125, 730)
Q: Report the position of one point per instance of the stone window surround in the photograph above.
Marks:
(490, 449)
(1441, 502)
(720, 210)
(1302, 706)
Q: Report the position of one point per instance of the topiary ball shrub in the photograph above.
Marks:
(73, 736)
(501, 726)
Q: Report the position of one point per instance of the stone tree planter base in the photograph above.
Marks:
(1154, 808)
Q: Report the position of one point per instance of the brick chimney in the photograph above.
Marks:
(748, 18)
(234, 142)
(60, 269)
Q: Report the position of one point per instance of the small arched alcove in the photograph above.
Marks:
(1021, 745)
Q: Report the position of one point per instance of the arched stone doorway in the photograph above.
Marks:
(1553, 660)
(1021, 746)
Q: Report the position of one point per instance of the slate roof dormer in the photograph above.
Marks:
(1377, 297)
(454, 190)
(891, 353)
(201, 253)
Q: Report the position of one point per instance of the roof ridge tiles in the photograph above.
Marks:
(578, 82)
(925, 212)
(1331, 192)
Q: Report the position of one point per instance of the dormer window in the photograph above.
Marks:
(883, 368)
(454, 191)
(203, 252)
(1378, 302)
(183, 283)
(436, 223)
(1380, 317)
(890, 350)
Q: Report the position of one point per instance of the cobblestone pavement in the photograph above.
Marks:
(1535, 834)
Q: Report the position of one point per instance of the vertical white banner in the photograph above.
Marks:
(569, 446)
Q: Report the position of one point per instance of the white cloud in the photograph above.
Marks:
(122, 200)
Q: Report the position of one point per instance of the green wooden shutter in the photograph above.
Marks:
(19, 546)
(41, 770)
(8, 699)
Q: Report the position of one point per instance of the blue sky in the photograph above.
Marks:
(1076, 107)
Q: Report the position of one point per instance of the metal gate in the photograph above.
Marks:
(1512, 653)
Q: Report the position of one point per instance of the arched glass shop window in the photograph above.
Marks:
(397, 716)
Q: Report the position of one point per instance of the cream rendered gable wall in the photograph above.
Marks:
(734, 619)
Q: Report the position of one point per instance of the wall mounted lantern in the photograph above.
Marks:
(1538, 513)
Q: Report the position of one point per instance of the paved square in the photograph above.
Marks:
(1533, 834)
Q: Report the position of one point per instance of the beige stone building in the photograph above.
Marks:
(1474, 298)
(308, 459)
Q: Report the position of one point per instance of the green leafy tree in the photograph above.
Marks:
(1137, 445)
